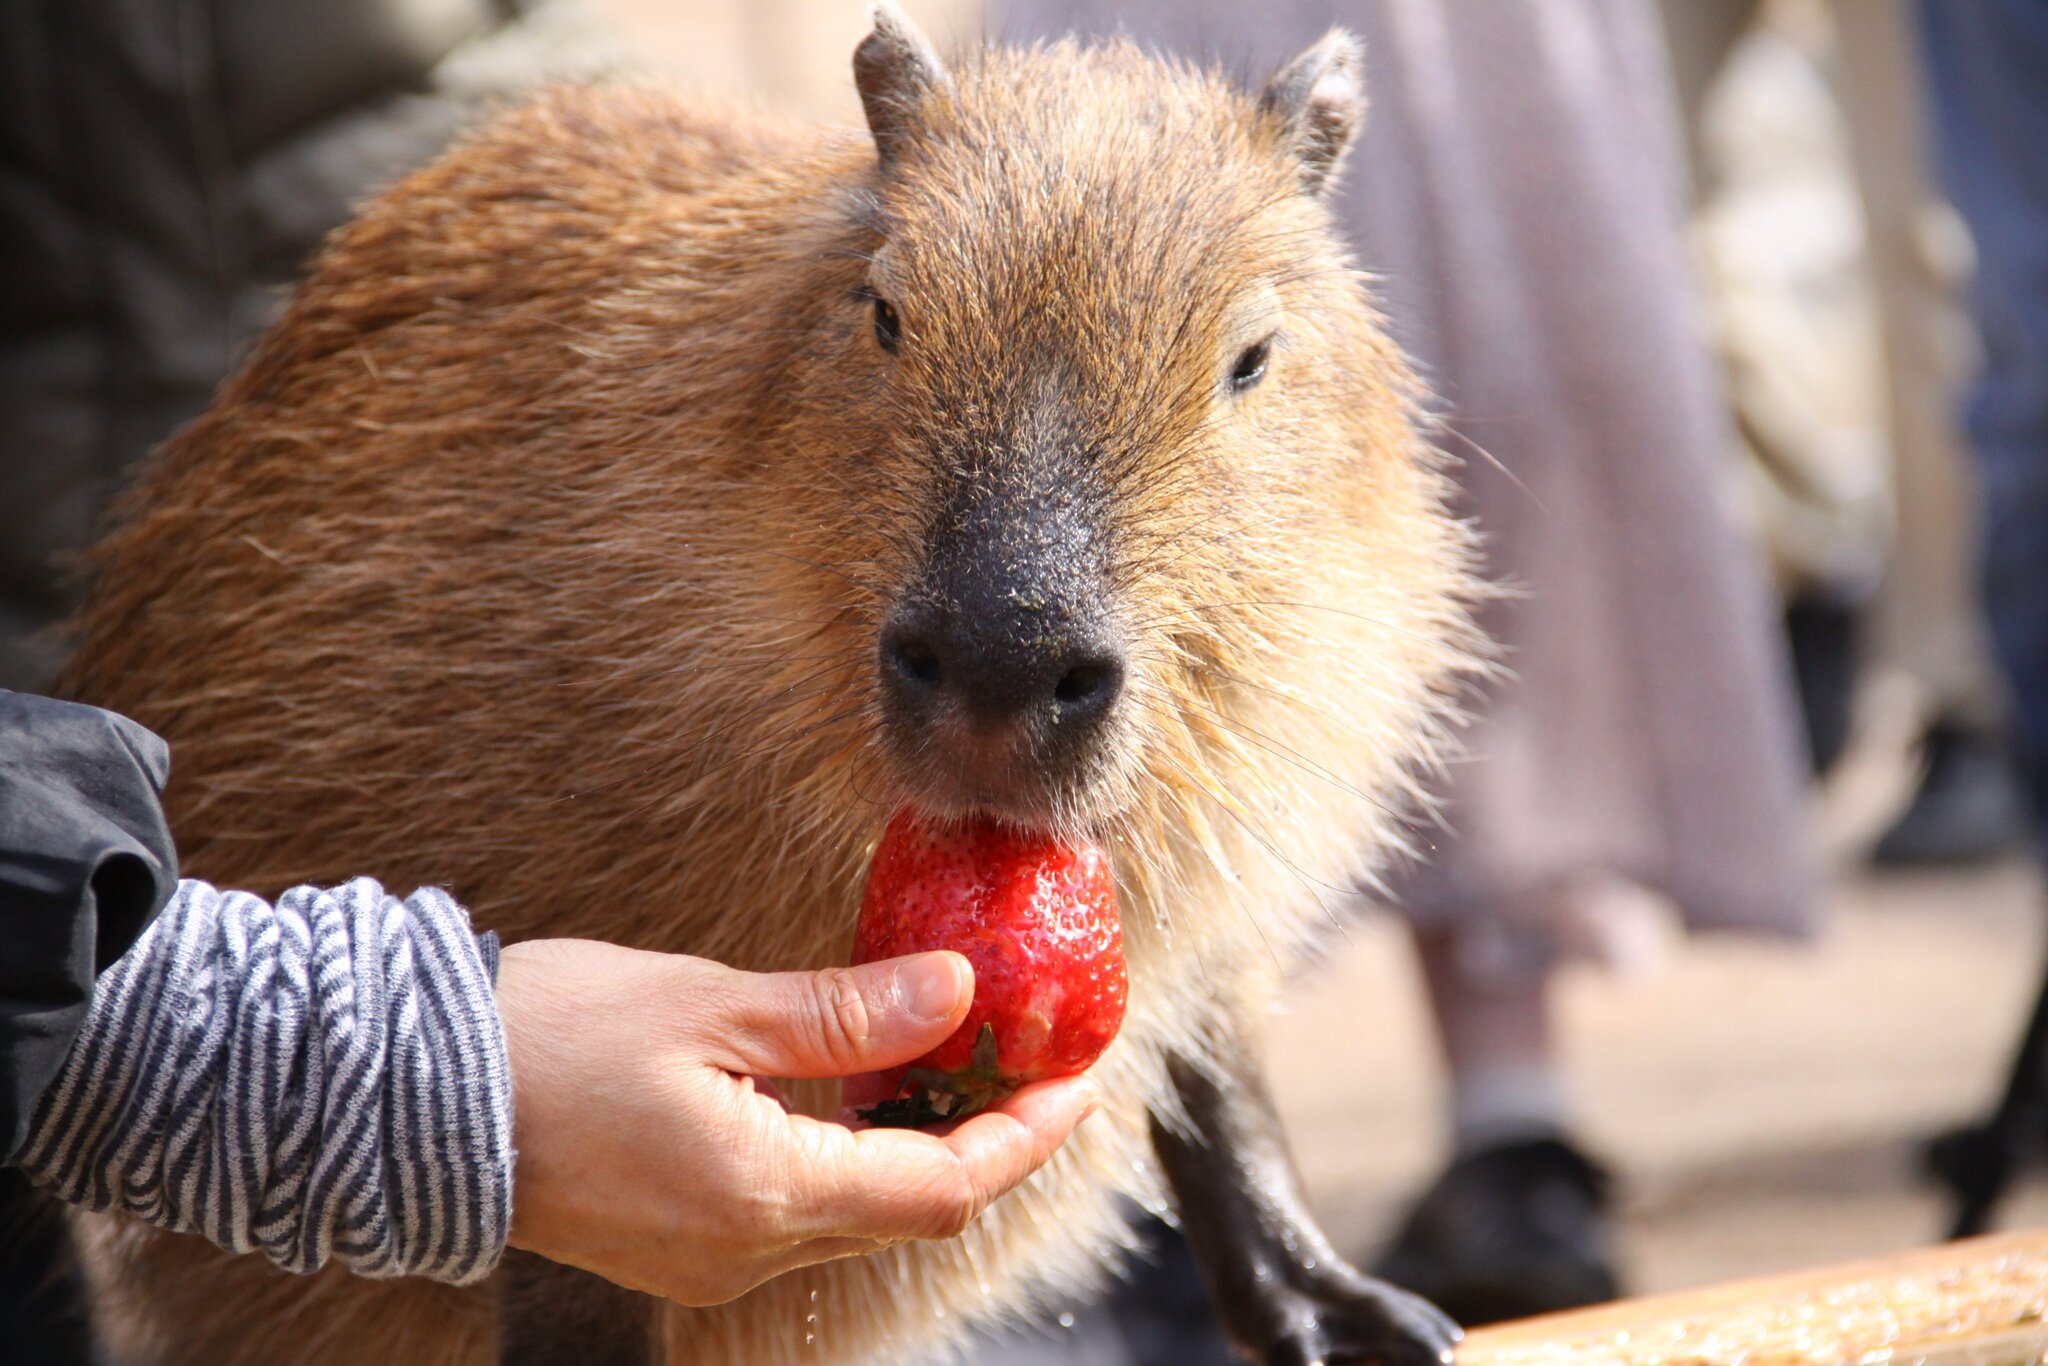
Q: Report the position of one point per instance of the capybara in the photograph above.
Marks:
(637, 506)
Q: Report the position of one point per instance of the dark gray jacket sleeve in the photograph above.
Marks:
(85, 864)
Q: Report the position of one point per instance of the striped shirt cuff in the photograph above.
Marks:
(325, 1077)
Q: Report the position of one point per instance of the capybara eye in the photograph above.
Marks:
(888, 327)
(1251, 366)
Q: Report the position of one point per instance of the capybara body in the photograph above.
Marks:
(542, 552)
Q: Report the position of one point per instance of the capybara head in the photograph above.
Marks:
(1104, 397)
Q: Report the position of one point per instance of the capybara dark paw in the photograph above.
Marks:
(1330, 1314)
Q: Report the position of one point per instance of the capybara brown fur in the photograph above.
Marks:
(599, 531)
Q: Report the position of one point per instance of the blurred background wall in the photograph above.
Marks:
(790, 55)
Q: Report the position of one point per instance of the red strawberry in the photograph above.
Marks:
(1036, 917)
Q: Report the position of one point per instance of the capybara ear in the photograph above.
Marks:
(1319, 101)
(894, 68)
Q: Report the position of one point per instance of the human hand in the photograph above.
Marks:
(649, 1154)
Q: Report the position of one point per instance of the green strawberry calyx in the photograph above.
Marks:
(927, 1096)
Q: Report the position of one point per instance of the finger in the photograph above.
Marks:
(894, 1184)
(1046, 1113)
(840, 1021)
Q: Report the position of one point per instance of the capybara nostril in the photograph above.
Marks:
(913, 660)
(1089, 688)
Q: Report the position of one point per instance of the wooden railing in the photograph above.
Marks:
(1978, 1303)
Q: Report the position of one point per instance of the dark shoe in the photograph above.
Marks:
(1507, 1232)
(1968, 806)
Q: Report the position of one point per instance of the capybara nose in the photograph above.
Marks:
(1043, 669)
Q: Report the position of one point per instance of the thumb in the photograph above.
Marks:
(840, 1021)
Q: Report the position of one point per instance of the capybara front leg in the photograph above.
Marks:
(1284, 1295)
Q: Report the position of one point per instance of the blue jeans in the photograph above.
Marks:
(1987, 70)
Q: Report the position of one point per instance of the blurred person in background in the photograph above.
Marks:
(1987, 69)
(1986, 63)
(1835, 268)
(1518, 197)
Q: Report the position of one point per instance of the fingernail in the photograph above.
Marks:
(930, 986)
